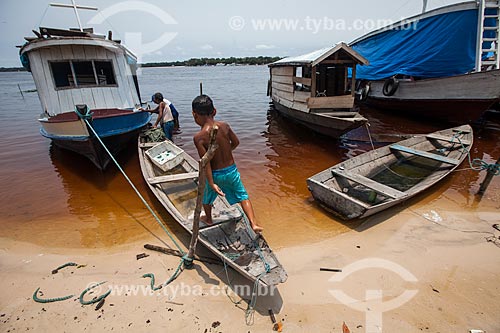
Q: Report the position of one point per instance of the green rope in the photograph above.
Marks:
(152, 276)
(177, 271)
(232, 256)
(133, 187)
(54, 271)
(250, 311)
(86, 116)
(49, 300)
(479, 165)
(267, 267)
(172, 278)
(229, 283)
(94, 300)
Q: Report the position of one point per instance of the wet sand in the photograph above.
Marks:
(431, 246)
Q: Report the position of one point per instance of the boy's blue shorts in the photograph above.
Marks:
(168, 129)
(229, 181)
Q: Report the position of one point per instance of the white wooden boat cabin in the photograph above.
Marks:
(74, 67)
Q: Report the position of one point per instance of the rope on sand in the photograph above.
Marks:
(49, 300)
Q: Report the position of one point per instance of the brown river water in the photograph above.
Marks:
(51, 197)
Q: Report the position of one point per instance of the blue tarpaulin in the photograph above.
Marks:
(437, 46)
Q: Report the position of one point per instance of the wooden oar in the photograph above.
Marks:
(212, 147)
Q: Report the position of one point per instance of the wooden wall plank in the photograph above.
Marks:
(120, 93)
(300, 106)
(282, 87)
(53, 99)
(108, 97)
(40, 79)
(344, 101)
(282, 79)
(65, 100)
(304, 80)
(88, 97)
(284, 102)
(127, 85)
(98, 96)
(301, 96)
(78, 52)
(282, 70)
(284, 95)
(76, 95)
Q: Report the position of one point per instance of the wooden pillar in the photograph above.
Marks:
(353, 80)
(212, 147)
(487, 180)
(313, 81)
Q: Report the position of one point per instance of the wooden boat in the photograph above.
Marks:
(387, 176)
(314, 89)
(457, 99)
(78, 67)
(230, 238)
(443, 64)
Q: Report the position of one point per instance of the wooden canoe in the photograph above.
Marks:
(387, 176)
(229, 238)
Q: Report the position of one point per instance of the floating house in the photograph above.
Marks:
(316, 89)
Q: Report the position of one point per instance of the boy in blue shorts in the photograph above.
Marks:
(223, 178)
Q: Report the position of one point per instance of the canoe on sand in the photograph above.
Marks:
(384, 177)
(175, 184)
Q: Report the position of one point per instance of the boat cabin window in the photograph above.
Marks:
(104, 70)
(61, 71)
(82, 73)
(302, 72)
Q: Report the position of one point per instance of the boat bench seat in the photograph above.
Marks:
(449, 139)
(371, 184)
(172, 178)
(425, 154)
(148, 144)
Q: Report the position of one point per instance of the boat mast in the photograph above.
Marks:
(75, 7)
(424, 8)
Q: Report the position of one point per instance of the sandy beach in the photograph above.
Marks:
(425, 267)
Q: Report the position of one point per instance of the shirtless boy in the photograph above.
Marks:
(223, 178)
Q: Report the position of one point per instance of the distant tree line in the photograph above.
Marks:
(215, 61)
(191, 62)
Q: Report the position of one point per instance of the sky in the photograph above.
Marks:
(166, 30)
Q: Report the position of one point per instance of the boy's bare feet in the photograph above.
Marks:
(257, 229)
(206, 220)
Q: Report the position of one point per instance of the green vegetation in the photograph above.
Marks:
(191, 62)
(215, 61)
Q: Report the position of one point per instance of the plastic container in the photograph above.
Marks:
(165, 155)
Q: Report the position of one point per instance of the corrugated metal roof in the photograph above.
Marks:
(305, 58)
(315, 57)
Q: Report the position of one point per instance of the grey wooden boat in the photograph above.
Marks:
(384, 177)
(230, 238)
